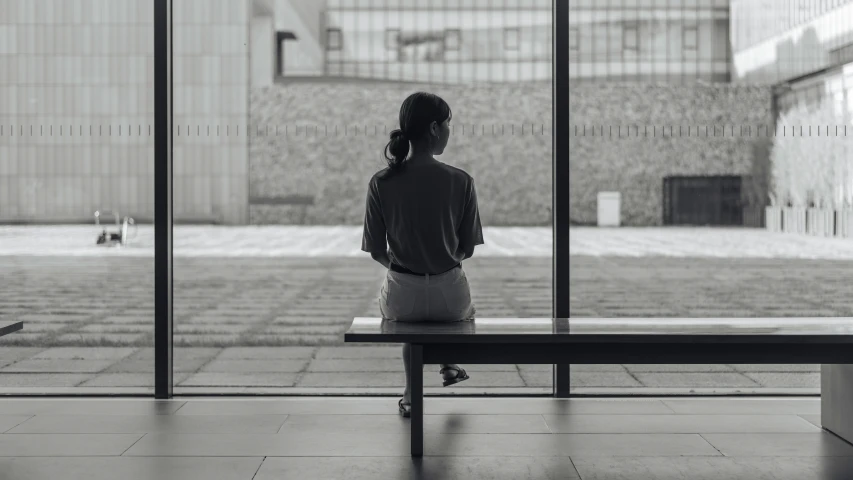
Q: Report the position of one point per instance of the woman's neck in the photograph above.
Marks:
(421, 158)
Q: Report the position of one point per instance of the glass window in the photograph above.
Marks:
(573, 39)
(631, 39)
(585, 41)
(511, 38)
(600, 42)
(452, 39)
(392, 39)
(271, 322)
(333, 39)
(690, 38)
(76, 196)
(614, 41)
(721, 40)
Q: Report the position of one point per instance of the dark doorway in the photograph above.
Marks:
(280, 38)
(702, 200)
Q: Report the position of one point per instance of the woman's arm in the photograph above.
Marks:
(382, 258)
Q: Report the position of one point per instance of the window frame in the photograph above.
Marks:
(685, 31)
(628, 27)
(508, 33)
(392, 38)
(574, 33)
(450, 33)
(340, 39)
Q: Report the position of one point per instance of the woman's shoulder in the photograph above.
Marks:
(458, 171)
(379, 175)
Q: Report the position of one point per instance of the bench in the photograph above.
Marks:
(7, 329)
(607, 341)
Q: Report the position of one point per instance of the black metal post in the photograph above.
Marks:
(163, 199)
(416, 366)
(560, 177)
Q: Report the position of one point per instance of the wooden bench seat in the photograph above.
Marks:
(6, 329)
(607, 341)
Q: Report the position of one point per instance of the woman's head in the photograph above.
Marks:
(425, 122)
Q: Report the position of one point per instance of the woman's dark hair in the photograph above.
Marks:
(417, 113)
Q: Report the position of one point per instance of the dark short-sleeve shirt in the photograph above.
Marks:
(428, 213)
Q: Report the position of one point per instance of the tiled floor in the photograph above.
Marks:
(466, 438)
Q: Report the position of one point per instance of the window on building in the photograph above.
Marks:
(333, 39)
(573, 39)
(511, 38)
(690, 38)
(392, 39)
(630, 37)
(451, 39)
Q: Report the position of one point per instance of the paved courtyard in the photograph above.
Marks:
(250, 321)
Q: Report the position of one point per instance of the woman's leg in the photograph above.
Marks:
(406, 363)
(407, 348)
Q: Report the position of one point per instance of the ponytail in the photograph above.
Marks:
(397, 150)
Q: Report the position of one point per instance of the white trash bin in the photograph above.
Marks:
(609, 209)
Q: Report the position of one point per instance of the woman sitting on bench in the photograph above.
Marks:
(428, 212)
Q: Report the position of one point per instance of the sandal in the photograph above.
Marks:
(461, 376)
(405, 408)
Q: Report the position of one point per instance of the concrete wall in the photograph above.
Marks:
(636, 165)
(318, 176)
(76, 89)
(329, 163)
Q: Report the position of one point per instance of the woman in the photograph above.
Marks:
(428, 212)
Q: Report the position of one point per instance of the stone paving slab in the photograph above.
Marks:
(583, 368)
(358, 352)
(678, 368)
(777, 368)
(247, 379)
(255, 366)
(271, 353)
(535, 368)
(599, 379)
(37, 380)
(536, 378)
(711, 379)
(77, 353)
(129, 379)
(147, 366)
(183, 353)
(57, 366)
(799, 380)
(10, 355)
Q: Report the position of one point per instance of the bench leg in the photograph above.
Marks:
(417, 371)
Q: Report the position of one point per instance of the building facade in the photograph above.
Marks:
(459, 42)
(435, 41)
(802, 47)
(76, 109)
(669, 41)
(775, 41)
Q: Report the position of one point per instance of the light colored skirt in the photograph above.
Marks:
(445, 297)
